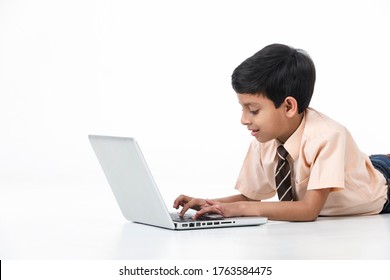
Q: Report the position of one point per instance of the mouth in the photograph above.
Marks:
(254, 131)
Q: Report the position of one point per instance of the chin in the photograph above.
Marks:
(263, 139)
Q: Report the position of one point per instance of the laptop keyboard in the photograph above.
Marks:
(188, 218)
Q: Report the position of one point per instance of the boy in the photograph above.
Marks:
(311, 162)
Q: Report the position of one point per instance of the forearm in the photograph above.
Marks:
(233, 198)
(283, 211)
(307, 209)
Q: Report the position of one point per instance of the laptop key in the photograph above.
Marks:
(188, 218)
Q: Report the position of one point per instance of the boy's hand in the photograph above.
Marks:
(214, 207)
(188, 202)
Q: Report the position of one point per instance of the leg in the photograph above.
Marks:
(382, 163)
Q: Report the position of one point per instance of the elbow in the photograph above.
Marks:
(306, 219)
(310, 212)
(311, 217)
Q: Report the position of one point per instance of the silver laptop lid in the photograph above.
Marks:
(131, 181)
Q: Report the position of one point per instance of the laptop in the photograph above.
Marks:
(137, 194)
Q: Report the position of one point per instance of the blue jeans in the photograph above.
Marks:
(382, 163)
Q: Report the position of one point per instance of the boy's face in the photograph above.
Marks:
(264, 120)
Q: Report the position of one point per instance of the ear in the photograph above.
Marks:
(291, 106)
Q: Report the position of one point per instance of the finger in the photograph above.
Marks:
(180, 201)
(208, 210)
(194, 203)
(177, 201)
(211, 202)
(205, 204)
(187, 206)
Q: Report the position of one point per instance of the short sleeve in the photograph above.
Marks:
(253, 180)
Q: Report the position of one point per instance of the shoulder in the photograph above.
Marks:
(319, 126)
(318, 123)
(324, 135)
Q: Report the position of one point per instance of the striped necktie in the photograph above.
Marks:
(283, 176)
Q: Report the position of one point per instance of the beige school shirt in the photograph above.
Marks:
(323, 154)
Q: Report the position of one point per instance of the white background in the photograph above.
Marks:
(160, 71)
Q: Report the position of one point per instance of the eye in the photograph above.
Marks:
(255, 112)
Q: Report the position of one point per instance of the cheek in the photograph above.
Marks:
(267, 123)
(262, 120)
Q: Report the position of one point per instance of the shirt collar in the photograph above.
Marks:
(294, 141)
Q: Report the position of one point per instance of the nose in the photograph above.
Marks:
(244, 119)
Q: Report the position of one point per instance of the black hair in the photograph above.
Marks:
(277, 71)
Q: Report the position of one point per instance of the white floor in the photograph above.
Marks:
(77, 222)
